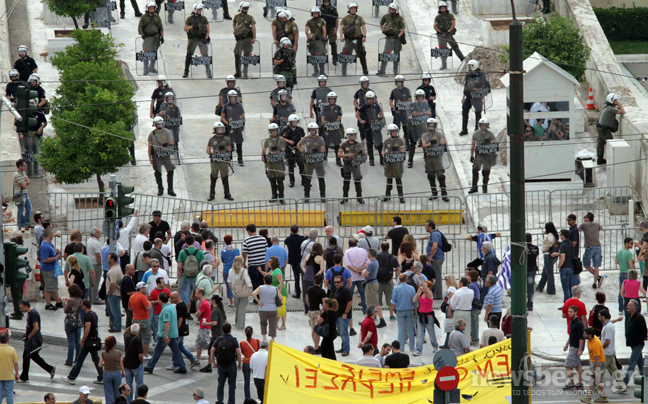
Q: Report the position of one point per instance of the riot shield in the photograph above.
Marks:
(103, 16)
(173, 9)
(439, 53)
(213, 6)
(479, 92)
(376, 4)
(388, 52)
(271, 5)
(253, 58)
(273, 156)
(417, 120)
(144, 56)
(221, 161)
(202, 55)
(374, 127)
(235, 122)
(359, 159)
(114, 14)
(317, 57)
(332, 127)
(347, 55)
(435, 151)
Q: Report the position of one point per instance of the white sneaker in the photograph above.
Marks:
(416, 353)
(68, 381)
(171, 367)
(147, 357)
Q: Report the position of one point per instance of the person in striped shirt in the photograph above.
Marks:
(254, 250)
(493, 299)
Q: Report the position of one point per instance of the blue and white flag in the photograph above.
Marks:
(504, 276)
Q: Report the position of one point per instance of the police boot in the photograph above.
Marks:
(152, 68)
(187, 63)
(237, 66)
(399, 188)
(345, 190)
(212, 188)
(273, 187)
(146, 67)
(389, 189)
(170, 184)
(478, 115)
(464, 123)
(280, 190)
(475, 179)
(209, 72)
(358, 187)
(322, 187)
(433, 188)
(442, 184)
(291, 178)
(226, 189)
(307, 187)
(245, 71)
(344, 69)
(338, 161)
(158, 181)
(444, 64)
(382, 159)
(486, 176)
(370, 152)
(239, 154)
(412, 149)
(334, 53)
(396, 67)
(459, 54)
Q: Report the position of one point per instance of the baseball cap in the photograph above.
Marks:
(156, 213)
(140, 285)
(368, 229)
(84, 390)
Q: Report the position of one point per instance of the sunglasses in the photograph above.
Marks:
(337, 282)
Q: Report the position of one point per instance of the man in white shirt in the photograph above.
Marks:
(153, 274)
(539, 107)
(331, 233)
(124, 239)
(356, 260)
(369, 241)
(113, 293)
(608, 339)
(461, 303)
(94, 253)
(492, 331)
(144, 229)
(258, 363)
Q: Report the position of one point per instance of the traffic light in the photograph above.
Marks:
(110, 208)
(640, 393)
(13, 277)
(123, 200)
(26, 110)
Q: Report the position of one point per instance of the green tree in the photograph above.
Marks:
(72, 8)
(559, 40)
(91, 114)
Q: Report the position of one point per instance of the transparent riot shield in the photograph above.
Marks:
(479, 91)
(252, 58)
(346, 56)
(359, 160)
(440, 53)
(235, 116)
(145, 56)
(274, 155)
(333, 131)
(112, 9)
(317, 58)
(420, 112)
(389, 53)
(102, 17)
(173, 9)
(221, 160)
(213, 6)
(435, 151)
(531, 7)
(269, 10)
(202, 56)
(376, 4)
(374, 129)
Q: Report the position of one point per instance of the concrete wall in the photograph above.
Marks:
(619, 3)
(602, 61)
(5, 53)
(498, 7)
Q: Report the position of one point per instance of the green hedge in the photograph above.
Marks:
(624, 23)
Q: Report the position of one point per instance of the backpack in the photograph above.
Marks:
(191, 266)
(73, 321)
(385, 269)
(445, 246)
(411, 281)
(225, 353)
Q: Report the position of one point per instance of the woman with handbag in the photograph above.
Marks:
(550, 244)
(451, 288)
(313, 264)
(248, 347)
(113, 363)
(228, 254)
(241, 285)
(325, 328)
(278, 282)
(90, 344)
(73, 322)
(269, 299)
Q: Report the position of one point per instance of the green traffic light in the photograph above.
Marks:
(26, 110)
(13, 262)
(639, 393)
(123, 200)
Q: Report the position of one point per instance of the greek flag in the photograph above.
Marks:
(504, 276)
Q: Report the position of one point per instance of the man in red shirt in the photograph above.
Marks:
(575, 301)
(204, 330)
(155, 301)
(368, 330)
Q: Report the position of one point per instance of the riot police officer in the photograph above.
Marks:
(160, 149)
(11, 91)
(284, 62)
(476, 87)
(233, 116)
(281, 85)
(172, 118)
(607, 124)
(392, 26)
(273, 154)
(353, 154)
(291, 30)
(444, 25)
(34, 85)
(399, 101)
(197, 29)
(152, 32)
(282, 111)
(318, 99)
(332, 123)
(371, 117)
(219, 149)
(330, 15)
(354, 35)
(230, 82)
(157, 98)
(25, 64)
(292, 134)
(434, 145)
(313, 149)
(430, 92)
(483, 154)
(316, 38)
(419, 114)
(245, 34)
(394, 154)
(359, 100)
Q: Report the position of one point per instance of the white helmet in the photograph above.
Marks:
(399, 77)
(232, 93)
(426, 76)
(169, 94)
(350, 5)
(419, 93)
(198, 6)
(22, 48)
(289, 14)
(150, 4)
(473, 65)
(612, 97)
(392, 127)
(14, 73)
(273, 126)
(432, 121)
(158, 120)
(331, 95)
(370, 94)
(244, 4)
(313, 125)
(363, 79)
(282, 14)
(285, 41)
(315, 10)
(34, 77)
(443, 4)
(161, 78)
(278, 10)
(484, 121)
(282, 92)
(351, 131)
(230, 78)
(394, 6)
(219, 125)
(278, 78)
(322, 77)
(293, 118)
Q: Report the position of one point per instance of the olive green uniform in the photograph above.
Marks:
(243, 34)
(445, 37)
(197, 39)
(275, 162)
(220, 158)
(604, 127)
(162, 148)
(434, 161)
(394, 149)
(313, 146)
(482, 162)
(391, 24)
(316, 45)
(151, 29)
(354, 44)
(351, 166)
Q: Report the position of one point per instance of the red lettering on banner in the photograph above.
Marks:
(484, 372)
(313, 378)
(334, 376)
(504, 362)
(296, 376)
(388, 392)
(368, 384)
(461, 370)
(377, 373)
(347, 379)
(393, 375)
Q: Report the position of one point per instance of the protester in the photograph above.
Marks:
(475, 309)
(458, 340)
(258, 364)
(356, 260)
(630, 289)
(385, 350)
(34, 343)
(141, 307)
(225, 353)
(608, 338)
(278, 282)
(397, 359)
(142, 393)
(461, 303)
(368, 331)
(371, 285)
(367, 359)
(249, 346)
(293, 243)
(73, 322)
(493, 299)
(113, 365)
(241, 285)
(167, 335)
(133, 359)
(597, 357)
(84, 393)
(90, 344)
(315, 296)
(328, 317)
(425, 318)
(205, 282)
(403, 304)
(635, 335)
(575, 346)
(183, 330)
(266, 297)
(228, 254)
(492, 331)
(8, 368)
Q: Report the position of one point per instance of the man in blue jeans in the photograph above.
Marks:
(344, 297)
(113, 293)
(20, 184)
(565, 264)
(403, 302)
(435, 255)
(192, 268)
(226, 354)
(592, 256)
(625, 260)
(133, 359)
(167, 335)
(635, 333)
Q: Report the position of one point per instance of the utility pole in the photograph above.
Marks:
(520, 392)
(3, 286)
(111, 223)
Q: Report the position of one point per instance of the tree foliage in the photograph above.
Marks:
(72, 8)
(91, 118)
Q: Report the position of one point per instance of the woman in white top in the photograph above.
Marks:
(266, 295)
(548, 243)
(451, 285)
(238, 278)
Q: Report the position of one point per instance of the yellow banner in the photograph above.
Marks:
(294, 377)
